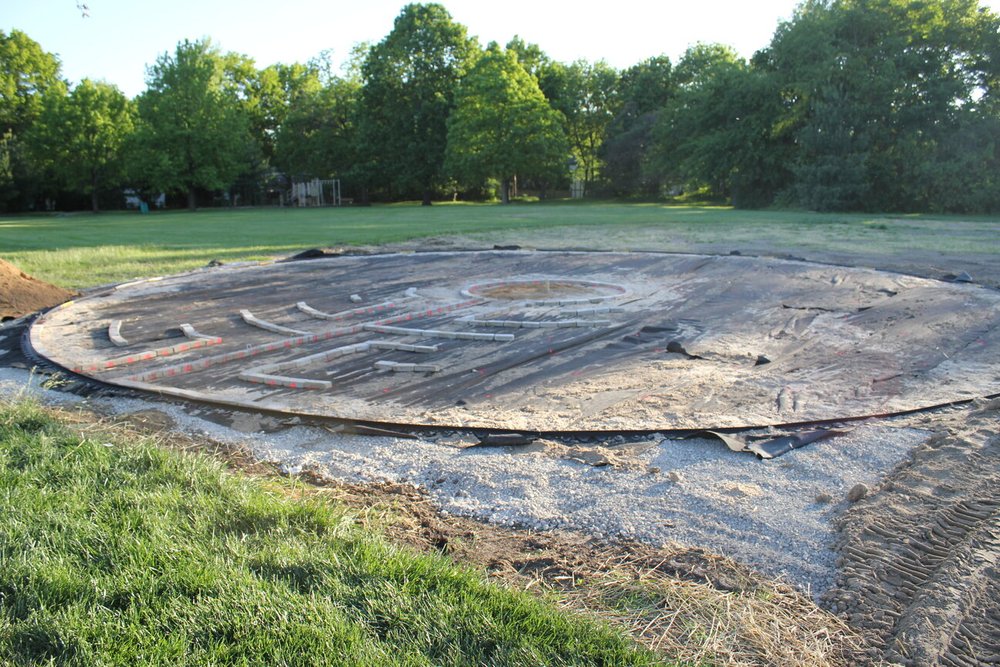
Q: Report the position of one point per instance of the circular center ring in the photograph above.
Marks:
(557, 291)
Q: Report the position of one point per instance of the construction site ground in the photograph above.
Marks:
(915, 551)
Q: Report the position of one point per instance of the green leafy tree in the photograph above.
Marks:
(81, 137)
(27, 73)
(271, 94)
(317, 137)
(503, 126)
(587, 96)
(877, 92)
(719, 131)
(531, 56)
(644, 90)
(702, 62)
(410, 79)
(265, 97)
(963, 174)
(194, 133)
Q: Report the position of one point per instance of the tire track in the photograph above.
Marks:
(920, 559)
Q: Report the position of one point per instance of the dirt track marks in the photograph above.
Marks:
(920, 560)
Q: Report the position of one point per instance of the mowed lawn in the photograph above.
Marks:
(118, 552)
(83, 250)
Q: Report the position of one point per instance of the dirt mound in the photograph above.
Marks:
(921, 558)
(21, 294)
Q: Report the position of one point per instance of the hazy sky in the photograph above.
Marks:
(121, 37)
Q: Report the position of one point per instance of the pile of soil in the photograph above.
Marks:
(21, 294)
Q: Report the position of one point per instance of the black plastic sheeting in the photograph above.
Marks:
(771, 447)
(691, 342)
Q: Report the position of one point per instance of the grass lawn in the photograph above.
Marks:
(82, 250)
(125, 553)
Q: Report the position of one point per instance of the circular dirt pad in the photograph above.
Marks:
(543, 341)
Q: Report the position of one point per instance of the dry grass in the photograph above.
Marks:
(697, 622)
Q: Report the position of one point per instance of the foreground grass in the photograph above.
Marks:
(120, 553)
(83, 250)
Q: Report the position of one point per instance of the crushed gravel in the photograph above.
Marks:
(776, 516)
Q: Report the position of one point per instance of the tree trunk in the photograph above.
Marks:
(427, 197)
(93, 194)
(505, 191)
(192, 201)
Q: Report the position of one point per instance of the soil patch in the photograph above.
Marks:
(20, 294)
(920, 558)
(537, 289)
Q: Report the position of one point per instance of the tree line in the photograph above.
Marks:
(887, 105)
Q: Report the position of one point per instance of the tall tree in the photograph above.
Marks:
(317, 137)
(531, 56)
(82, 136)
(410, 79)
(587, 96)
(193, 132)
(644, 90)
(503, 126)
(269, 95)
(719, 131)
(875, 92)
(265, 96)
(27, 73)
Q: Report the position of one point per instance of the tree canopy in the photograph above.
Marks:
(81, 137)
(878, 92)
(502, 126)
(853, 105)
(586, 94)
(409, 80)
(193, 133)
(316, 137)
(27, 75)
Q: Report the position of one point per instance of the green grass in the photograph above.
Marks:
(82, 250)
(122, 553)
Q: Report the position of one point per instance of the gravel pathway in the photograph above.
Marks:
(776, 516)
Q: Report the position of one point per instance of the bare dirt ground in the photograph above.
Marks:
(919, 558)
(21, 294)
(919, 552)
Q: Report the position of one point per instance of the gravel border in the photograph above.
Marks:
(776, 516)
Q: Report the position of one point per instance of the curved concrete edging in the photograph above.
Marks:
(115, 334)
(618, 291)
(345, 314)
(208, 362)
(255, 321)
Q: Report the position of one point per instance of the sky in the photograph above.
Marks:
(120, 38)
